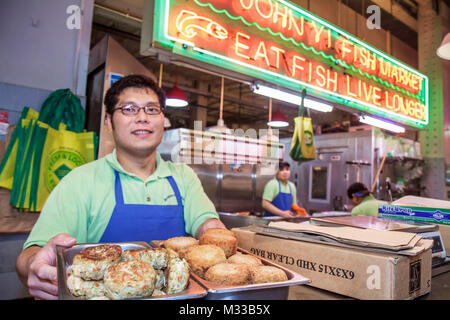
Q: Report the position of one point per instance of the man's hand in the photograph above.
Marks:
(287, 214)
(38, 266)
(210, 223)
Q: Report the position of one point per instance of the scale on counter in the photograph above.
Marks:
(429, 231)
(438, 252)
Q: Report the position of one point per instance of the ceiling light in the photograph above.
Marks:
(175, 97)
(291, 98)
(278, 120)
(381, 124)
(444, 50)
(167, 123)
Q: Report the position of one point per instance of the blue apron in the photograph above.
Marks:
(282, 201)
(143, 222)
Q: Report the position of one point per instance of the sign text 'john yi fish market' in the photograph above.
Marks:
(276, 41)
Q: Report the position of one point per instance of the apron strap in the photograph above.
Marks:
(119, 193)
(174, 186)
(118, 189)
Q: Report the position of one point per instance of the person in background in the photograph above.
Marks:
(279, 197)
(364, 203)
(131, 194)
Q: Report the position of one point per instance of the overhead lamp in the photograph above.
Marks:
(220, 127)
(381, 124)
(167, 123)
(444, 49)
(291, 98)
(278, 120)
(175, 97)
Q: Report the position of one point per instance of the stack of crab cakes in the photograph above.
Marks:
(104, 271)
(215, 259)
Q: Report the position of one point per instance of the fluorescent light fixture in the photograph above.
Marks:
(381, 124)
(291, 98)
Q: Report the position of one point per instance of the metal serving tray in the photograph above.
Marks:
(64, 261)
(260, 291)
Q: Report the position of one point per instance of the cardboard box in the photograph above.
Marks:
(420, 209)
(352, 272)
(422, 214)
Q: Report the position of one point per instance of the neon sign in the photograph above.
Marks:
(280, 43)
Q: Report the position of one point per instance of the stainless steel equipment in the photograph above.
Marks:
(232, 169)
(345, 158)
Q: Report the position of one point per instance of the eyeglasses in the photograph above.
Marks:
(132, 109)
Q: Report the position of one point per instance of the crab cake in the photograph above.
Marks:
(158, 292)
(85, 289)
(160, 282)
(129, 279)
(92, 262)
(202, 257)
(156, 257)
(177, 275)
(244, 259)
(263, 274)
(228, 274)
(180, 244)
(222, 238)
(172, 254)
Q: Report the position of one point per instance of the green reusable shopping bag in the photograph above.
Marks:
(48, 147)
(63, 151)
(8, 164)
(302, 147)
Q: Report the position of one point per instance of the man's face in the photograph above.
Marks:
(284, 174)
(136, 134)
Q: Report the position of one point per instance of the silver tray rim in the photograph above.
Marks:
(294, 278)
(193, 291)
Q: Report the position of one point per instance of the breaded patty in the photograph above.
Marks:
(222, 238)
(202, 257)
(158, 292)
(180, 244)
(84, 288)
(244, 259)
(228, 274)
(129, 279)
(157, 258)
(160, 282)
(177, 275)
(264, 274)
(92, 262)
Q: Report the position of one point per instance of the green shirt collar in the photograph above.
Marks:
(162, 168)
(368, 198)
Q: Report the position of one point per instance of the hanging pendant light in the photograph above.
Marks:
(176, 97)
(220, 127)
(278, 120)
(444, 49)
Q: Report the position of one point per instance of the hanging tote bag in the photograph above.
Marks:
(8, 164)
(302, 147)
(49, 147)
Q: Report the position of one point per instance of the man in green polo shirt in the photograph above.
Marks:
(131, 194)
(364, 203)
